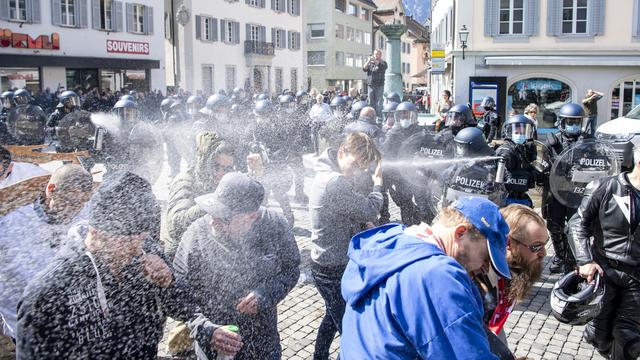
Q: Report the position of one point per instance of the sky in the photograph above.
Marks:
(418, 8)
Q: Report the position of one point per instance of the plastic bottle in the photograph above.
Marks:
(234, 329)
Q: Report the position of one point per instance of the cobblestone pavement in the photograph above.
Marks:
(531, 329)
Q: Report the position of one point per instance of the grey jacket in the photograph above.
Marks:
(337, 209)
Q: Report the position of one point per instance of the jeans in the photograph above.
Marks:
(375, 96)
(328, 284)
(593, 122)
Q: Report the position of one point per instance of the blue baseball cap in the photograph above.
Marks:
(486, 217)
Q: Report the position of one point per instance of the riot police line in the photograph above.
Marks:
(425, 170)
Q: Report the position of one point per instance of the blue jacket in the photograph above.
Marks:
(406, 300)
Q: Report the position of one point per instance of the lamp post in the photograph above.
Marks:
(464, 36)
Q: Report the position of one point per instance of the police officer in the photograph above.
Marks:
(356, 108)
(304, 102)
(490, 122)
(26, 122)
(295, 124)
(518, 153)
(174, 129)
(6, 103)
(366, 123)
(194, 104)
(393, 96)
(388, 118)
(218, 106)
(572, 125)
(275, 151)
(69, 101)
(331, 131)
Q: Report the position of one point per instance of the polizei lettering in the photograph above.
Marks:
(592, 162)
(514, 181)
(432, 152)
(474, 183)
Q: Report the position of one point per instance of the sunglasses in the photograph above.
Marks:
(535, 248)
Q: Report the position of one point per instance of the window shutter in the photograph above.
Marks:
(247, 28)
(273, 37)
(198, 27)
(223, 30)
(33, 11)
(298, 41)
(288, 39)
(148, 16)
(296, 7)
(596, 17)
(56, 12)
(4, 9)
(554, 15)
(116, 12)
(95, 14)
(236, 32)
(129, 17)
(263, 34)
(211, 29)
(214, 29)
(531, 14)
(636, 19)
(491, 15)
(83, 19)
(283, 39)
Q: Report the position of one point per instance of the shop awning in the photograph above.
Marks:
(574, 60)
(10, 60)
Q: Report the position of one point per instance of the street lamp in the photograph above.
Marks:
(464, 36)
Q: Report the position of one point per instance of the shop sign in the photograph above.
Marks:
(438, 63)
(127, 47)
(9, 38)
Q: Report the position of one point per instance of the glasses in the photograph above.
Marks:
(535, 248)
(225, 168)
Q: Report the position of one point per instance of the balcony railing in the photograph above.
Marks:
(258, 47)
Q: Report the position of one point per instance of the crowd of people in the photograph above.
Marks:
(94, 272)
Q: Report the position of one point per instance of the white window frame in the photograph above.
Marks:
(278, 80)
(66, 14)
(17, 9)
(324, 57)
(365, 11)
(254, 33)
(255, 3)
(324, 31)
(358, 61)
(340, 58)
(210, 69)
(276, 6)
(357, 9)
(358, 36)
(367, 38)
(293, 80)
(511, 9)
(230, 81)
(108, 20)
(574, 19)
(353, 33)
(228, 31)
(340, 30)
(349, 60)
(276, 39)
(292, 40)
(138, 19)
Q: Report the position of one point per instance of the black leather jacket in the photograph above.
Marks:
(603, 214)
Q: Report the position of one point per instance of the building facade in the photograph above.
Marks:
(222, 44)
(547, 52)
(338, 42)
(81, 44)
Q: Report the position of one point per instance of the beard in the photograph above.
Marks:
(523, 276)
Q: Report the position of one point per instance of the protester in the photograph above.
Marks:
(12, 172)
(241, 260)
(408, 290)
(375, 68)
(337, 210)
(590, 104)
(214, 159)
(443, 107)
(32, 234)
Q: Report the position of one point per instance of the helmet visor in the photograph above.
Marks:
(21, 100)
(461, 150)
(6, 103)
(518, 130)
(128, 115)
(73, 101)
(405, 115)
(192, 108)
(455, 119)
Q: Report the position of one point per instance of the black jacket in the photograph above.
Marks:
(520, 175)
(394, 139)
(375, 73)
(363, 126)
(606, 211)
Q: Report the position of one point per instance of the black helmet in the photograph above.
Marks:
(357, 107)
(338, 106)
(194, 104)
(69, 99)
(21, 97)
(387, 113)
(406, 114)
(263, 97)
(128, 97)
(264, 108)
(235, 110)
(348, 99)
(217, 101)
(255, 97)
(287, 103)
(238, 92)
(302, 97)
(519, 129)
(133, 93)
(222, 92)
(470, 142)
(572, 120)
(459, 117)
(394, 96)
(127, 110)
(488, 103)
(576, 302)
(7, 99)
(165, 105)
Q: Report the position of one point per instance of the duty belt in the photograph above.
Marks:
(631, 270)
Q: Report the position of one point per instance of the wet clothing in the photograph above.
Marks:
(519, 174)
(406, 299)
(372, 130)
(22, 171)
(26, 125)
(55, 118)
(221, 271)
(490, 125)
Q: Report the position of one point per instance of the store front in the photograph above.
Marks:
(625, 96)
(548, 93)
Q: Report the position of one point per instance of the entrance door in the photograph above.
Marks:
(257, 80)
(85, 79)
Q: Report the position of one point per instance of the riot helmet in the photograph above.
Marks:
(303, 98)
(576, 302)
(7, 99)
(194, 104)
(388, 111)
(128, 97)
(133, 93)
(176, 106)
(235, 110)
(69, 99)
(572, 120)
(519, 129)
(264, 109)
(238, 92)
(470, 142)
(406, 114)
(126, 110)
(287, 104)
(338, 106)
(218, 106)
(255, 98)
(21, 97)
(349, 100)
(460, 117)
(263, 96)
(488, 103)
(357, 107)
(222, 92)
(165, 105)
(393, 96)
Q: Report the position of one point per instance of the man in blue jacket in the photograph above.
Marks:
(408, 290)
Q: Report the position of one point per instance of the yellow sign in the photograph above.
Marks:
(437, 54)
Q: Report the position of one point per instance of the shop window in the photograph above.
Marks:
(625, 97)
(85, 79)
(548, 94)
(18, 78)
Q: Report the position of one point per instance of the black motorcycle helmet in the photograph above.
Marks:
(406, 114)
(338, 106)
(572, 120)
(519, 129)
(388, 113)
(217, 102)
(238, 92)
(488, 103)
(459, 117)
(470, 142)
(357, 107)
(21, 97)
(126, 110)
(576, 302)
(128, 97)
(393, 96)
(287, 103)
(263, 109)
(263, 97)
(69, 99)
(165, 105)
(235, 110)
(7, 99)
(194, 104)
(303, 98)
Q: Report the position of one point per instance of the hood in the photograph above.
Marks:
(621, 125)
(377, 254)
(328, 161)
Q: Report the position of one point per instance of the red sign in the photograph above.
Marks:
(127, 47)
(23, 41)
